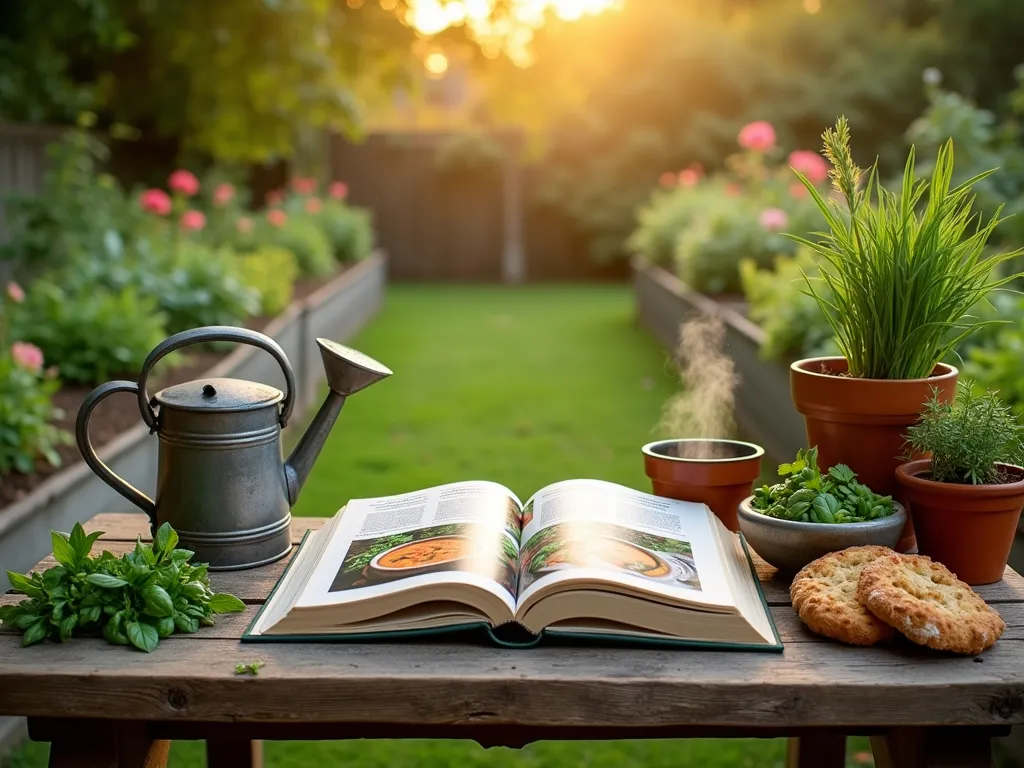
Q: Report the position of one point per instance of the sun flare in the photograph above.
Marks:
(509, 32)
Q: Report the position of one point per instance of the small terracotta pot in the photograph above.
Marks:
(967, 528)
(863, 422)
(722, 480)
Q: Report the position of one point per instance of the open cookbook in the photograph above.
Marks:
(582, 559)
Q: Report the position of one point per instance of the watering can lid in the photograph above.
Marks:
(218, 395)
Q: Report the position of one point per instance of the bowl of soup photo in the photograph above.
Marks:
(605, 552)
(435, 553)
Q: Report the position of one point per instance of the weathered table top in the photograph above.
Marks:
(813, 683)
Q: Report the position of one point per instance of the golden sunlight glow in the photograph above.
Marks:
(510, 31)
(812, 6)
(436, 63)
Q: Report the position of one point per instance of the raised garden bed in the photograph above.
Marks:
(58, 498)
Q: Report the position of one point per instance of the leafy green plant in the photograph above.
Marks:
(779, 303)
(27, 414)
(808, 496)
(138, 598)
(349, 230)
(303, 237)
(902, 282)
(969, 437)
(271, 271)
(90, 335)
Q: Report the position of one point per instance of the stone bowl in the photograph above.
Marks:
(789, 545)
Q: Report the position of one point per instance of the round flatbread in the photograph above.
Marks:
(925, 601)
(824, 594)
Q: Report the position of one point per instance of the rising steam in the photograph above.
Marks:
(704, 405)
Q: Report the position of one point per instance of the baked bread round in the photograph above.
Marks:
(925, 601)
(824, 594)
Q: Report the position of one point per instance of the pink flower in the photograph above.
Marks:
(277, 217)
(155, 201)
(223, 194)
(313, 205)
(27, 355)
(192, 221)
(183, 181)
(274, 197)
(758, 136)
(668, 179)
(304, 186)
(339, 190)
(688, 177)
(810, 164)
(797, 190)
(15, 292)
(773, 219)
(732, 189)
(243, 225)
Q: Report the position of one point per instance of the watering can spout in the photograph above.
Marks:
(348, 371)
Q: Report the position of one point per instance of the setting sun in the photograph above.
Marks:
(509, 32)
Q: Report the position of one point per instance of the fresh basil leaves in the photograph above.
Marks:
(135, 599)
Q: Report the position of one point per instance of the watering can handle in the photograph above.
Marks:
(216, 333)
(122, 486)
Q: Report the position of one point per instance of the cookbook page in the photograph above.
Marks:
(600, 531)
(464, 533)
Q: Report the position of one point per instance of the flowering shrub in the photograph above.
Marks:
(26, 401)
(704, 228)
(349, 230)
(91, 335)
(302, 235)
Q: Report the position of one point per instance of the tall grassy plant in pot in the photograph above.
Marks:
(902, 271)
(967, 498)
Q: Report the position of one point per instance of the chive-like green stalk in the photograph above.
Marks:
(902, 280)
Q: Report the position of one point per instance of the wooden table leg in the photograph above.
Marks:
(824, 750)
(935, 747)
(100, 744)
(229, 753)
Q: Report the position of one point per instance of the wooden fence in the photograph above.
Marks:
(22, 163)
(474, 219)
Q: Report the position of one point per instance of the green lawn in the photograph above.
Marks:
(521, 386)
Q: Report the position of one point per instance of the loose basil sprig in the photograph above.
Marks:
(808, 496)
(135, 599)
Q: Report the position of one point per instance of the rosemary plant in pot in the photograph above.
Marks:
(903, 270)
(967, 498)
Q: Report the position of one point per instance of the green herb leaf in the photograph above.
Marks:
(157, 601)
(63, 552)
(105, 580)
(34, 634)
(142, 636)
(22, 583)
(67, 626)
(165, 626)
(185, 623)
(222, 603)
(166, 539)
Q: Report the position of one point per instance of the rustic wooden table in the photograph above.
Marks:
(103, 705)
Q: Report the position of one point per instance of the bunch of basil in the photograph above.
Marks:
(808, 496)
(135, 599)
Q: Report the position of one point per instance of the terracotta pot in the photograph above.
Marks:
(967, 528)
(863, 422)
(721, 479)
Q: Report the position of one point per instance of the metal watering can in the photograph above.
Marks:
(221, 480)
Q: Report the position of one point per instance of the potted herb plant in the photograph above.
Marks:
(902, 271)
(966, 499)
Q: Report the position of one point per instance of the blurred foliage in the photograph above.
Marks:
(91, 335)
(27, 414)
(349, 230)
(272, 272)
(233, 79)
(301, 235)
(793, 324)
